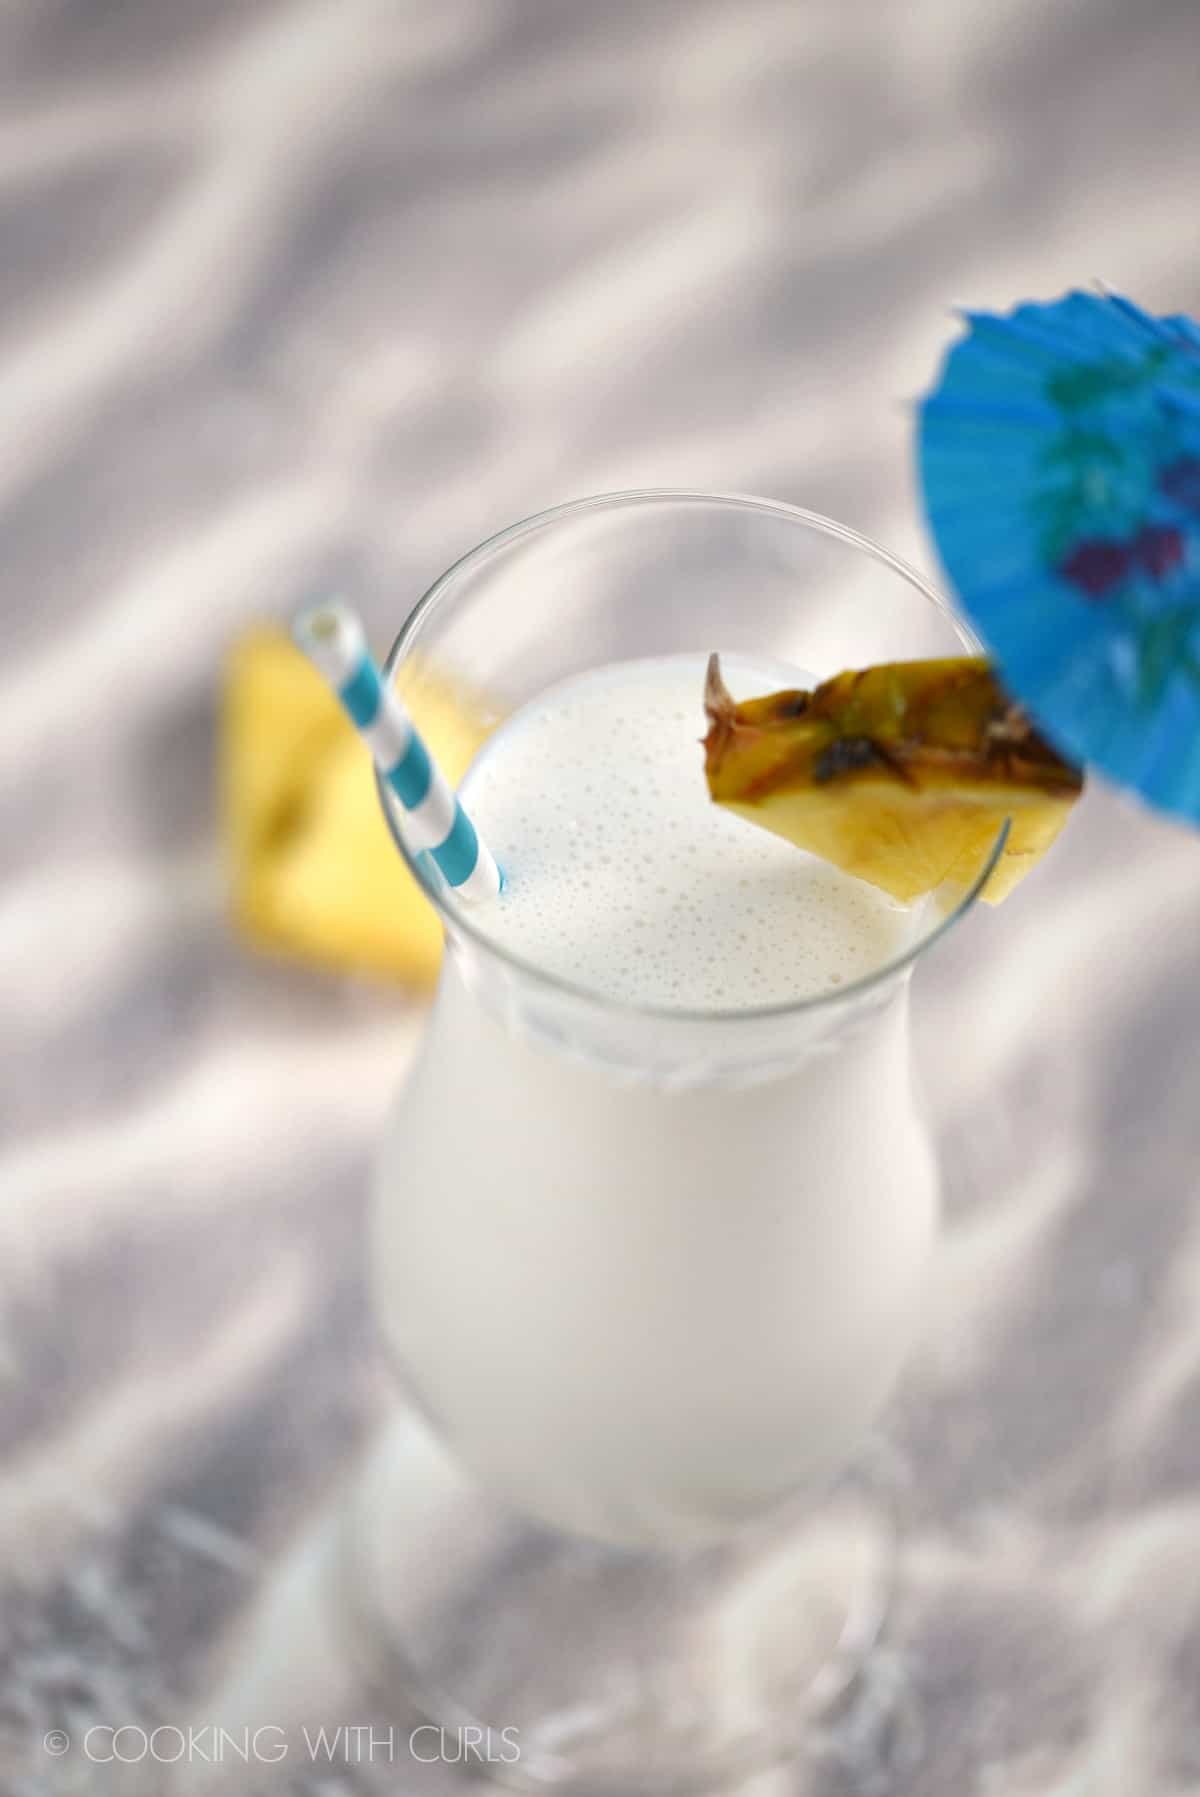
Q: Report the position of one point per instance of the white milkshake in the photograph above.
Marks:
(642, 1314)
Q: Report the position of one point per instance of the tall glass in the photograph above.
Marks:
(647, 1276)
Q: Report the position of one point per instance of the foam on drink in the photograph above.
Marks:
(624, 877)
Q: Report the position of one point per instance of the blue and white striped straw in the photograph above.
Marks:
(333, 639)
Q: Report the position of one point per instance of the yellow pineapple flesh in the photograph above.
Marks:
(313, 870)
(902, 774)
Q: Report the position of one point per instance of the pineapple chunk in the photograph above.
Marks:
(901, 774)
(313, 870)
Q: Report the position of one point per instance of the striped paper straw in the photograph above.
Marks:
(333, 639)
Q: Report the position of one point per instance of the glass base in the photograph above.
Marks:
(584, 1667)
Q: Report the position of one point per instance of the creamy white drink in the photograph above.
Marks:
(640, 1313)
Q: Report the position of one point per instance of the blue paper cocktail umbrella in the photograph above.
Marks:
(1060, 465)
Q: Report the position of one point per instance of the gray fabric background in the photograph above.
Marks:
(310, 289)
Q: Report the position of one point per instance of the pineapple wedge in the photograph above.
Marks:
(901, 774)
(313, 871)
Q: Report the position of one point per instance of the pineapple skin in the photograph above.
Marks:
(901, 774)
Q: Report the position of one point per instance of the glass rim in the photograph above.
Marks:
(457, 918)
